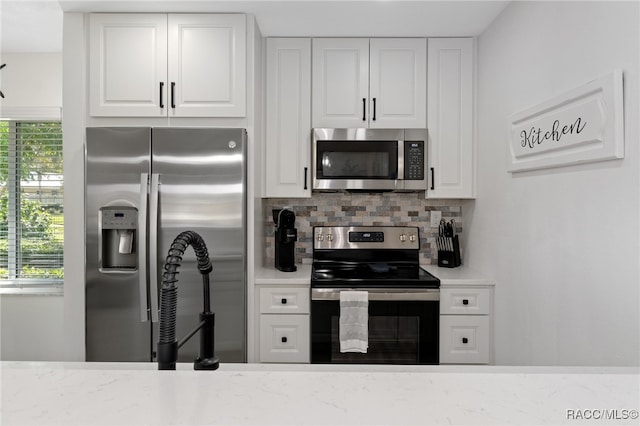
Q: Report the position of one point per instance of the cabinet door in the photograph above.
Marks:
(340, 82)
(284, 338)
(288, 118)
(398, 83)
(207, 71)
(128, 65)
(449, 118)
(464, 339)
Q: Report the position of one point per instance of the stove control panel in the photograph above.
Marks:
(363, 237)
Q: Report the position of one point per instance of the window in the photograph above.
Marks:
(31, 210)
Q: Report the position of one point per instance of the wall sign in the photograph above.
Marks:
(580, 126)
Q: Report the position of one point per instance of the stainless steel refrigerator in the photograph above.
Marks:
(144, 186)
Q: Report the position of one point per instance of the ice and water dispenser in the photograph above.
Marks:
(118, 234)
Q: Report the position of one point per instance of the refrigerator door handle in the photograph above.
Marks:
(153, 245)
(142, 247)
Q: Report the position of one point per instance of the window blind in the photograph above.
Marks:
(31, 204)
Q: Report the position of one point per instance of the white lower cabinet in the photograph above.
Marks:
(284, 324)
(465, 325)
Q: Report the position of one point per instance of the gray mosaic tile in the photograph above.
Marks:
(343, 209)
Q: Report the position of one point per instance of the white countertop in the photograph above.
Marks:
(461, 275)
(272, 276)
(251, 394)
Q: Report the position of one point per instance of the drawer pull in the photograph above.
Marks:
(465, 301)
(464, 340)
(284, 339)
(283, 301)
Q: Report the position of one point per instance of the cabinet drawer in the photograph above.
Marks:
(284, 338)
(464, 339)
(463, 301)
(284, 300)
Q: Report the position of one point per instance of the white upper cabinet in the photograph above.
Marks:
(128, 64)
(156, 65)
(450, 118)
(398, 83)
(288, 118)
(376, 83)
(207, 71)
(340, 82)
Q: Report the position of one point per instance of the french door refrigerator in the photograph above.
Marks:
(144, 186)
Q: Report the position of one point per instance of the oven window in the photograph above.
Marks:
(392, 340)
(400, 332)
(357, 160)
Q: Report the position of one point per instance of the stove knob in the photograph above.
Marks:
(403, 237)
(330, 237)
(320, 237)
(412, 238)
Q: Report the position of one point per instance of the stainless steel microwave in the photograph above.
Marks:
(369, 159)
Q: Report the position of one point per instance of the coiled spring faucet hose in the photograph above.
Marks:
(167, 344)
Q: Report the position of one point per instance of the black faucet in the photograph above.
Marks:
(167, 344)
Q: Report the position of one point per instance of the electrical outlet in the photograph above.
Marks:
(436, 215)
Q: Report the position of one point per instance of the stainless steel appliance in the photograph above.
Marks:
(404, 299)
(144, 186)
(369, 159)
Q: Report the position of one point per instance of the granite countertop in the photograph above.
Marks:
(252, 394)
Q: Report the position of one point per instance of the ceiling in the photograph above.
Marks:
(36, 26)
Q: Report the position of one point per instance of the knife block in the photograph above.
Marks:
(450, 258)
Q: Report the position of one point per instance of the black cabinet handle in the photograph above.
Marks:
(465, 301)
(364, 109)
(283, 301)
(173, 94)
(284, 339)
(306, 169)
(162, 94)
(433, 174)
(374, 109)
(465, 340)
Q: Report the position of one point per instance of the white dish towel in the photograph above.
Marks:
(354, 321)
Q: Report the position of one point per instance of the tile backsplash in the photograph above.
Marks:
(351, 209)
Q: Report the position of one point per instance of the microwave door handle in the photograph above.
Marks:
(142, 247)
(153, 245)
(400, 160)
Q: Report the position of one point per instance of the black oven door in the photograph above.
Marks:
(403, 328)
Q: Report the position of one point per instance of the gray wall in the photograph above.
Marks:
(561, 243)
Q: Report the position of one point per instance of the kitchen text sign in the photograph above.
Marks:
(580, 126)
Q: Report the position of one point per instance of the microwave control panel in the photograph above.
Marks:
(414, 160)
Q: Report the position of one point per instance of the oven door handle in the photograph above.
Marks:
(383, 295)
